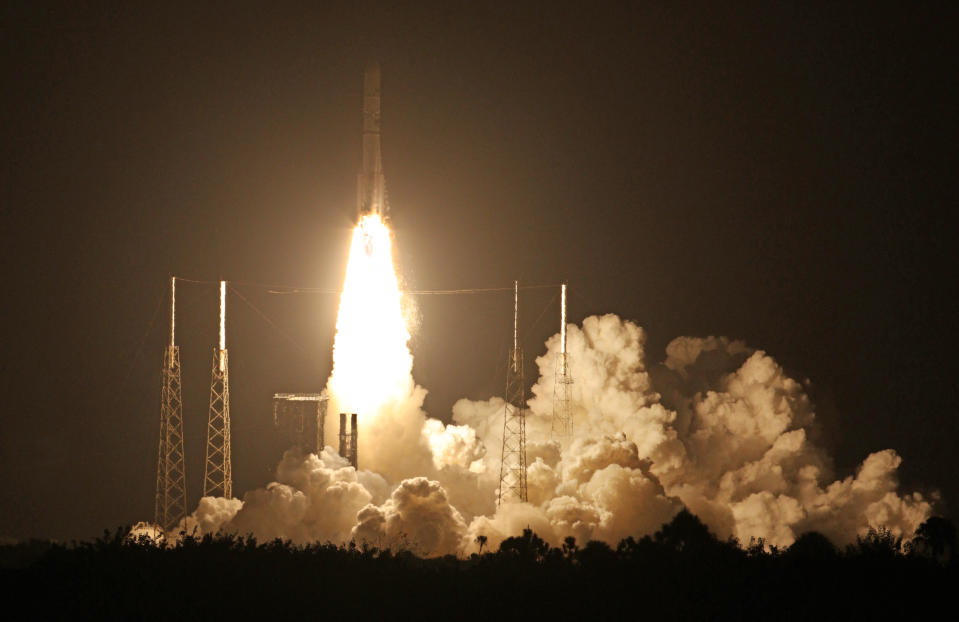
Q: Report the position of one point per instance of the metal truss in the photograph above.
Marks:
(512, 473)
(303, 417)
(170, 505)
(218, 474)
(562, 425)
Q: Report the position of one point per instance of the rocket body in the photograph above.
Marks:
(370, 183)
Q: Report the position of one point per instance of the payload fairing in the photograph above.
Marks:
(370, 183)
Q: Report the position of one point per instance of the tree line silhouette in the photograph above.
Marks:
(681, 572)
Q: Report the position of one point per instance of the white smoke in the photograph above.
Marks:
(418, 515)
(717, 427)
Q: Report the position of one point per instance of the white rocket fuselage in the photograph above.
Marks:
(370, 184)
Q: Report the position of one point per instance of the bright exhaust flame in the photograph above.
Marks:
(371, 359)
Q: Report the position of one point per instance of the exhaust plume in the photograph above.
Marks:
(717, 427)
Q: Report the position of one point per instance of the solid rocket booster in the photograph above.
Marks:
(370, 183)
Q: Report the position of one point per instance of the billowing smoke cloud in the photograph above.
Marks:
(418, 515)
(725, 432)
(717, 427)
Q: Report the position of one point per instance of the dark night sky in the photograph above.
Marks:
(780, 174)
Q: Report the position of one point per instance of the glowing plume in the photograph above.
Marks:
(371, 360)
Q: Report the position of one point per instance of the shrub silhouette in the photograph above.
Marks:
(596, 554)
(570, 547)
(877, 544)
(527, 547)
(812, 546)
(685, 533)
(936, 539)
(681, 572)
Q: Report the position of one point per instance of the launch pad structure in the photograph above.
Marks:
(562, 425)
(303, 417)
(348, 438)
(512, 473)
(218, 473)
(170, 502)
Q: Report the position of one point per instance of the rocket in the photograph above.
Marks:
(370, 183)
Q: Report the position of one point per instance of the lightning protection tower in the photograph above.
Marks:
(218, 478)
(562, 428)
(170, 505)
(512, 472)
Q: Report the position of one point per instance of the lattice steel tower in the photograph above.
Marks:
(562, 428)
(218, 477)
(170, 505)
(512, 473)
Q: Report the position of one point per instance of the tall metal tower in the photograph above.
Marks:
(348, 438)
(512, 472)
(562, 428)
(218, 478)
(170, 505)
